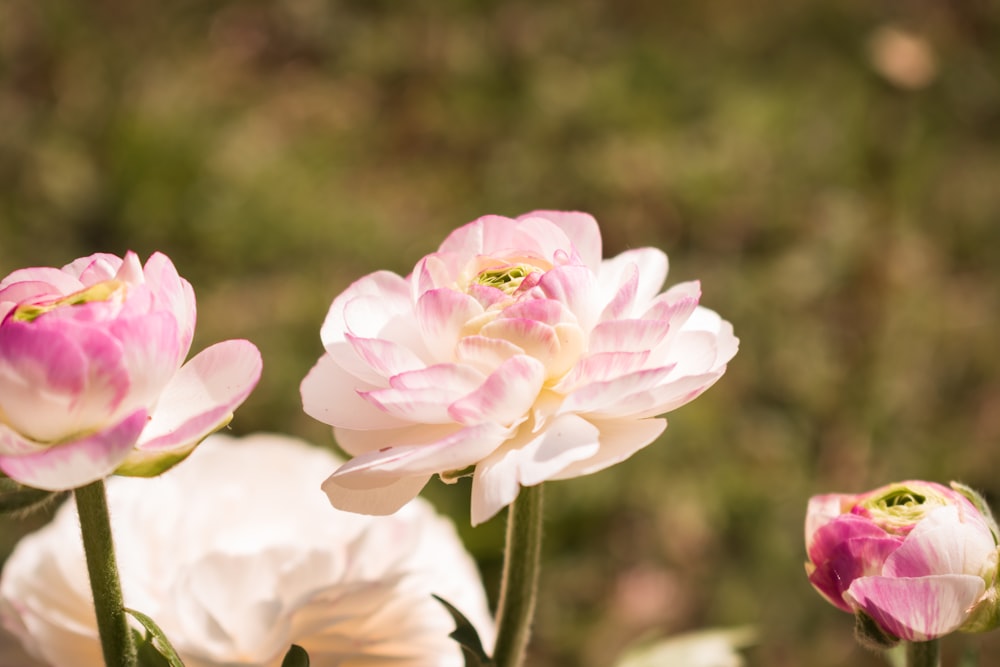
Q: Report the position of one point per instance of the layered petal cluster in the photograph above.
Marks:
(91, 374)
(514, 353)
(917, 558)
(236, 563)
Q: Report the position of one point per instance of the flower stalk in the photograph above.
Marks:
(519, 586)
(112, 623)
(923, 654)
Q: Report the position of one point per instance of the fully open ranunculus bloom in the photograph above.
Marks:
(91, 380)
(917, 558)
(514, 353)
(235, 559)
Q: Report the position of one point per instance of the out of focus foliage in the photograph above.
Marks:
(830, 170)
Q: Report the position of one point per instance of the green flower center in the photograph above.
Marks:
(900, 507)
(506, 279)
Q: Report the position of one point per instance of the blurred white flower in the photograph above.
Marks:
(237, 554)
(704, 648)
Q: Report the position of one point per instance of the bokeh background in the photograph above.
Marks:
(830, 171)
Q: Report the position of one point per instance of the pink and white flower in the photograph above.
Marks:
(515, 353)
(91, 374)
(918, 558)
(235, 562)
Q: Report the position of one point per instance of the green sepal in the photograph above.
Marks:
(153, 649)
(296, 657)
(870, 634)
(16, 498)
(467, 637)
(150, 464)
(981, 505)
(985, 615)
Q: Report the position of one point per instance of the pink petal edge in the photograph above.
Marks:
(74, 464)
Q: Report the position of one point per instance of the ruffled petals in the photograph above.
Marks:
(73, 464)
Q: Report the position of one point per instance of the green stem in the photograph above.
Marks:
(112, 623)
(519, 586)
(923, 654)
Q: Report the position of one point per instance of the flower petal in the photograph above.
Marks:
(442, 315)
(917, 609)
(659, 399)
(330, 394)
(485, 354)
(376, 306)
(573, 286)
(385, 357)
(60, 380)
(535, 339)
(201, 397)
(456, 451)
(95, 268)
(174, 295)
(823, 509)
(77, 463)
(382, 498)
(581, 228)
(618, 439)
(843, 550)
(39, 283)
(151, 351)
(482, 235)
(357, 442)
(602, 367)
(608, 397)
(494, 486)
(942, 544)
(385, 296)
(423, 396)
(628, 335)
(505, 397)
(564, 441)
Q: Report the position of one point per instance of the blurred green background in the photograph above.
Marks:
(830, 171)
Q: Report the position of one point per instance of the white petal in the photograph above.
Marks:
(387, 498)
(580, 228)
(650, 265)
(455, 451)
(494, 486)
(619, 439)
(330, 394)
(564, 441)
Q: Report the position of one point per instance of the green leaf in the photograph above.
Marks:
(154, 650)
(296, 657)
(17, 498)
(467, 637)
